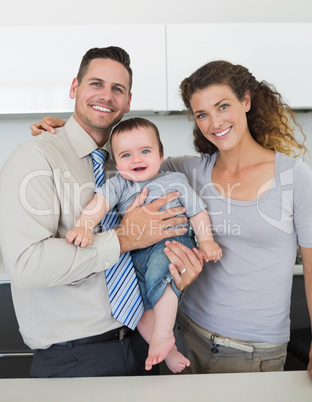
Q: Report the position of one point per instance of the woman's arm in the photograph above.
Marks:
(47, 124)
(186, 264)
(306, 254)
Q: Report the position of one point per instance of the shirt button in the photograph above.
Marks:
(107, 264)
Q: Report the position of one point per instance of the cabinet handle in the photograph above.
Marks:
(15, 354)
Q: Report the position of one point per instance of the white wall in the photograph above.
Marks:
(175, 129)
(80, 12)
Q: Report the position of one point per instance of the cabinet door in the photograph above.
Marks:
(278, 53)
(15, 356)
(38, 64)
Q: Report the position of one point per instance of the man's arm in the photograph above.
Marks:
(143, 226)
(33, 219)
(306, 254)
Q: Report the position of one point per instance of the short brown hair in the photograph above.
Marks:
(112, 52)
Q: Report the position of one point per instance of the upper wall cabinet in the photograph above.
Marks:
(278, 53)
(38, 64)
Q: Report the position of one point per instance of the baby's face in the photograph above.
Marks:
(136, 154)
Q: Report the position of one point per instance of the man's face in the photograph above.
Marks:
(102, 97)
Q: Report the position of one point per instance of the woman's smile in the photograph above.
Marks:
(222, 133)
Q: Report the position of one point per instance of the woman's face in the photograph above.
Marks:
(220, 116)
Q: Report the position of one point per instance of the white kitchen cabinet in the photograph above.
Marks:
(39, 63)
(278, 53)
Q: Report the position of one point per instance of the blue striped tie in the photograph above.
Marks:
(122, 284)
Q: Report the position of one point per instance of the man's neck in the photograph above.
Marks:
(100, 136)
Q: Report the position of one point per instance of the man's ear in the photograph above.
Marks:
(129, 102)
(73, 89)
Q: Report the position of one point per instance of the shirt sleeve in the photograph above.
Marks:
(183, 164)
(31, 213)
(112, 190)
(189, 199)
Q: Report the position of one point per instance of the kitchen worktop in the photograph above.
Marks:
(270, 387)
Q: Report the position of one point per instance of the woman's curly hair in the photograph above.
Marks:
(271, 121)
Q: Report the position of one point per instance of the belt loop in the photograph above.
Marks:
(121, 333)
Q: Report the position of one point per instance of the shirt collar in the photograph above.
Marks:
(83, 143)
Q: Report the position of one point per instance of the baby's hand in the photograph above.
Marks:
(211, 250)
(80, 236)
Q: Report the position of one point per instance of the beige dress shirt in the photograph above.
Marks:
(59, 290)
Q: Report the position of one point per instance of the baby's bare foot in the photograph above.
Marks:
(175, 361)
(158, 350)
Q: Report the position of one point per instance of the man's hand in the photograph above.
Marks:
(47, 124)
(185, 265)
(145, 225)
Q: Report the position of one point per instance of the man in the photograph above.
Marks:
(59, 290)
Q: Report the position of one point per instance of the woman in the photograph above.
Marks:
(235, 316)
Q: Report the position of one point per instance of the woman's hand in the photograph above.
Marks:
(47, 124)
(185, 265)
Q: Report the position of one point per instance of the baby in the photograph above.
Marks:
(138, 154)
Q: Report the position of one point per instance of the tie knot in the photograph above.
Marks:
(99, 156)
